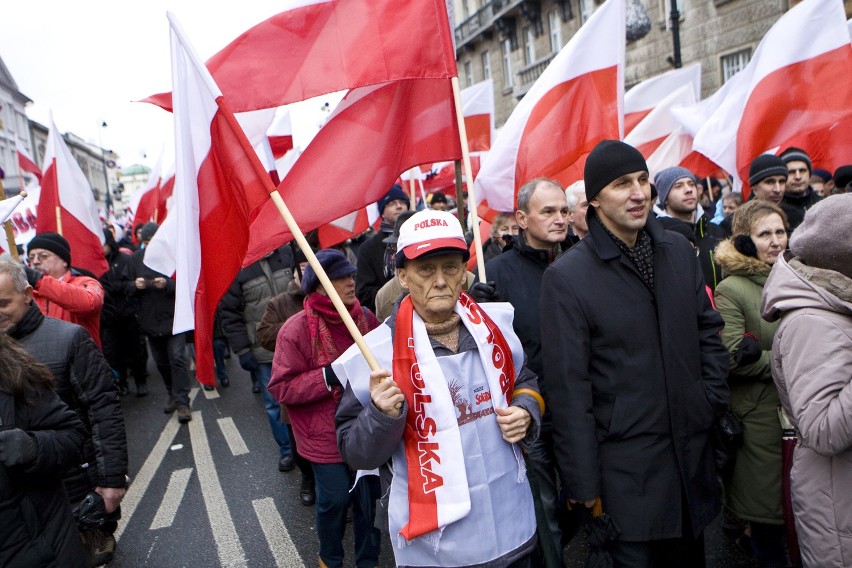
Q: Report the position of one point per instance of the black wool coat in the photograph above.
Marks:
(635, 381)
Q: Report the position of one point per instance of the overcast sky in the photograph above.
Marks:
(87, 61)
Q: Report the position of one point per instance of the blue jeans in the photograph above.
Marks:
(333, 481)
(273, 411)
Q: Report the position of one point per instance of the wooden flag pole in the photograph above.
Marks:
(59, 221)
(459, 196)
(10, 235)
(468, 171)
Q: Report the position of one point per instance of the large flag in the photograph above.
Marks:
(218, 183)
(374, 134)
(659, 123)
(67, 205)
(644, 97)
(573, 105)
(145, 203)
(478, 111)
(777, 96)
(26, 161)
(7, 207)
(322, 46)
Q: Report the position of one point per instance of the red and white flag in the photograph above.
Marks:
(218, 183)
(322, 46)
(280, 134)
(7, 207)
(660, 123)
(575, 104)
(67, 205)
(478, 110)
(777, 96)
(26, 162)
(145, 202)
(640, 100)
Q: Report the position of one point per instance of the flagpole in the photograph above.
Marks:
(10, 236)
(411, 191)
(468, 171)
(459, 196)
(299, 237)
(59, 221)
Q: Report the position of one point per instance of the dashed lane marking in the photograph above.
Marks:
(172, 499)
(232, 436)
(280, 543)
(228, 544)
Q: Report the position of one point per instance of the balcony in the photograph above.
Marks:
(528, 75)
(483, 20)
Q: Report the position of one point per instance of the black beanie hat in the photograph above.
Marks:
(608, 161)
(764, 166)
(793, 154)
(395, 192)
(54, 242)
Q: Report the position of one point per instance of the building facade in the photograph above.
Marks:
(513, 41)
(14, 127)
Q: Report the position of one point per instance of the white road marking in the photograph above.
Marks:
(211, 394)
(232, 436)
(172, 499)
(224, 532)
(140, 483)
(280, 543)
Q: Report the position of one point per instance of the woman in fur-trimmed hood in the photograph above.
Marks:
(753, 489)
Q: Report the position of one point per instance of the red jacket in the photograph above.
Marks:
(76, 299)
(297, 383)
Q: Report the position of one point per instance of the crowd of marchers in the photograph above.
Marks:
(641, 356)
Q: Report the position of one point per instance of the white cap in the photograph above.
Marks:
(428, 231)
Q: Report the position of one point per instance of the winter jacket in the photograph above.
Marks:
(812, 367)
(707, 238)
(635, 380)
(38, 530)
(297, 383)
(243, 304)
(371, 273)
(73, 298)
(753, 491)
(156, 306)
(794, 206)
(279, 309)
(117, 302)
(83, 382)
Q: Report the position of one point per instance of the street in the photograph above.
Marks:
(209, 493)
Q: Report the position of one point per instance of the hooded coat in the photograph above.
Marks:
(753, 491)
(636, 380)
(812, 367)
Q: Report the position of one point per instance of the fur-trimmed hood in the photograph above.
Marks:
(733, 261)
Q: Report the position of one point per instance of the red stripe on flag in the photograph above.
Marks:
(631, 119)
(648, 148)
(280, 145)
(478, 127)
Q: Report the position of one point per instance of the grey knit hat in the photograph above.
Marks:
(666, 178)
(823, 239)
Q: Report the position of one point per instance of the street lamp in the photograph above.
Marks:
(108, 203)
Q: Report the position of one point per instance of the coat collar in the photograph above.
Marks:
(28, 324)
(606, 248)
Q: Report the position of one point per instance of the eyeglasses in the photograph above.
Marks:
(42, 256)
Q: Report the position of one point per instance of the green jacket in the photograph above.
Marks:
(753, 491)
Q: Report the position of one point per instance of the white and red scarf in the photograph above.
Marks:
(438, 491)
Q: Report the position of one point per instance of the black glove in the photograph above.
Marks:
(484, 292)
(331, 379)
(749, 350)
(16, 448)
(248, 362)
(33, 276)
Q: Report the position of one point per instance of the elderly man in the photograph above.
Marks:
(60, 291)
(577, 205)
(84, 382)
(451, 417)
(636, 369)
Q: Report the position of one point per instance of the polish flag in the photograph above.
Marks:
(322, 46)
(344, 228)
(144, 203)
(660, 123)
(374, 134)
(795, 83)
(280, 134)
(26, 162)
(676, 150)
(67, 206)
(478, 111)
(647, 95)
(219, 182)
(573, 105)
(7, 207)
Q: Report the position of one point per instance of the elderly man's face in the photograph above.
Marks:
(434, 284)
(13, 304)
(47, 262)
(546, 222)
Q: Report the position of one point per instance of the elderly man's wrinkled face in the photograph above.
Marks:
(47, 262)
(434, 284)
(13, 304)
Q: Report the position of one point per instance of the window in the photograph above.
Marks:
(666, 11)
(465, 9)
(529, 45)
(555, 31)
(468, 73)
(586, 9)
(735, 62)
(508, 82)
(486, 65)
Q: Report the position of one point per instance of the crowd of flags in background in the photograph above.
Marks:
(397, 121)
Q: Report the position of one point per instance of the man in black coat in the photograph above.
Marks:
(636, 371)
(799, 196)
(375, 257)
(84, 382)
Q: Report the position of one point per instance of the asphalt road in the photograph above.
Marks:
(209, 493)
